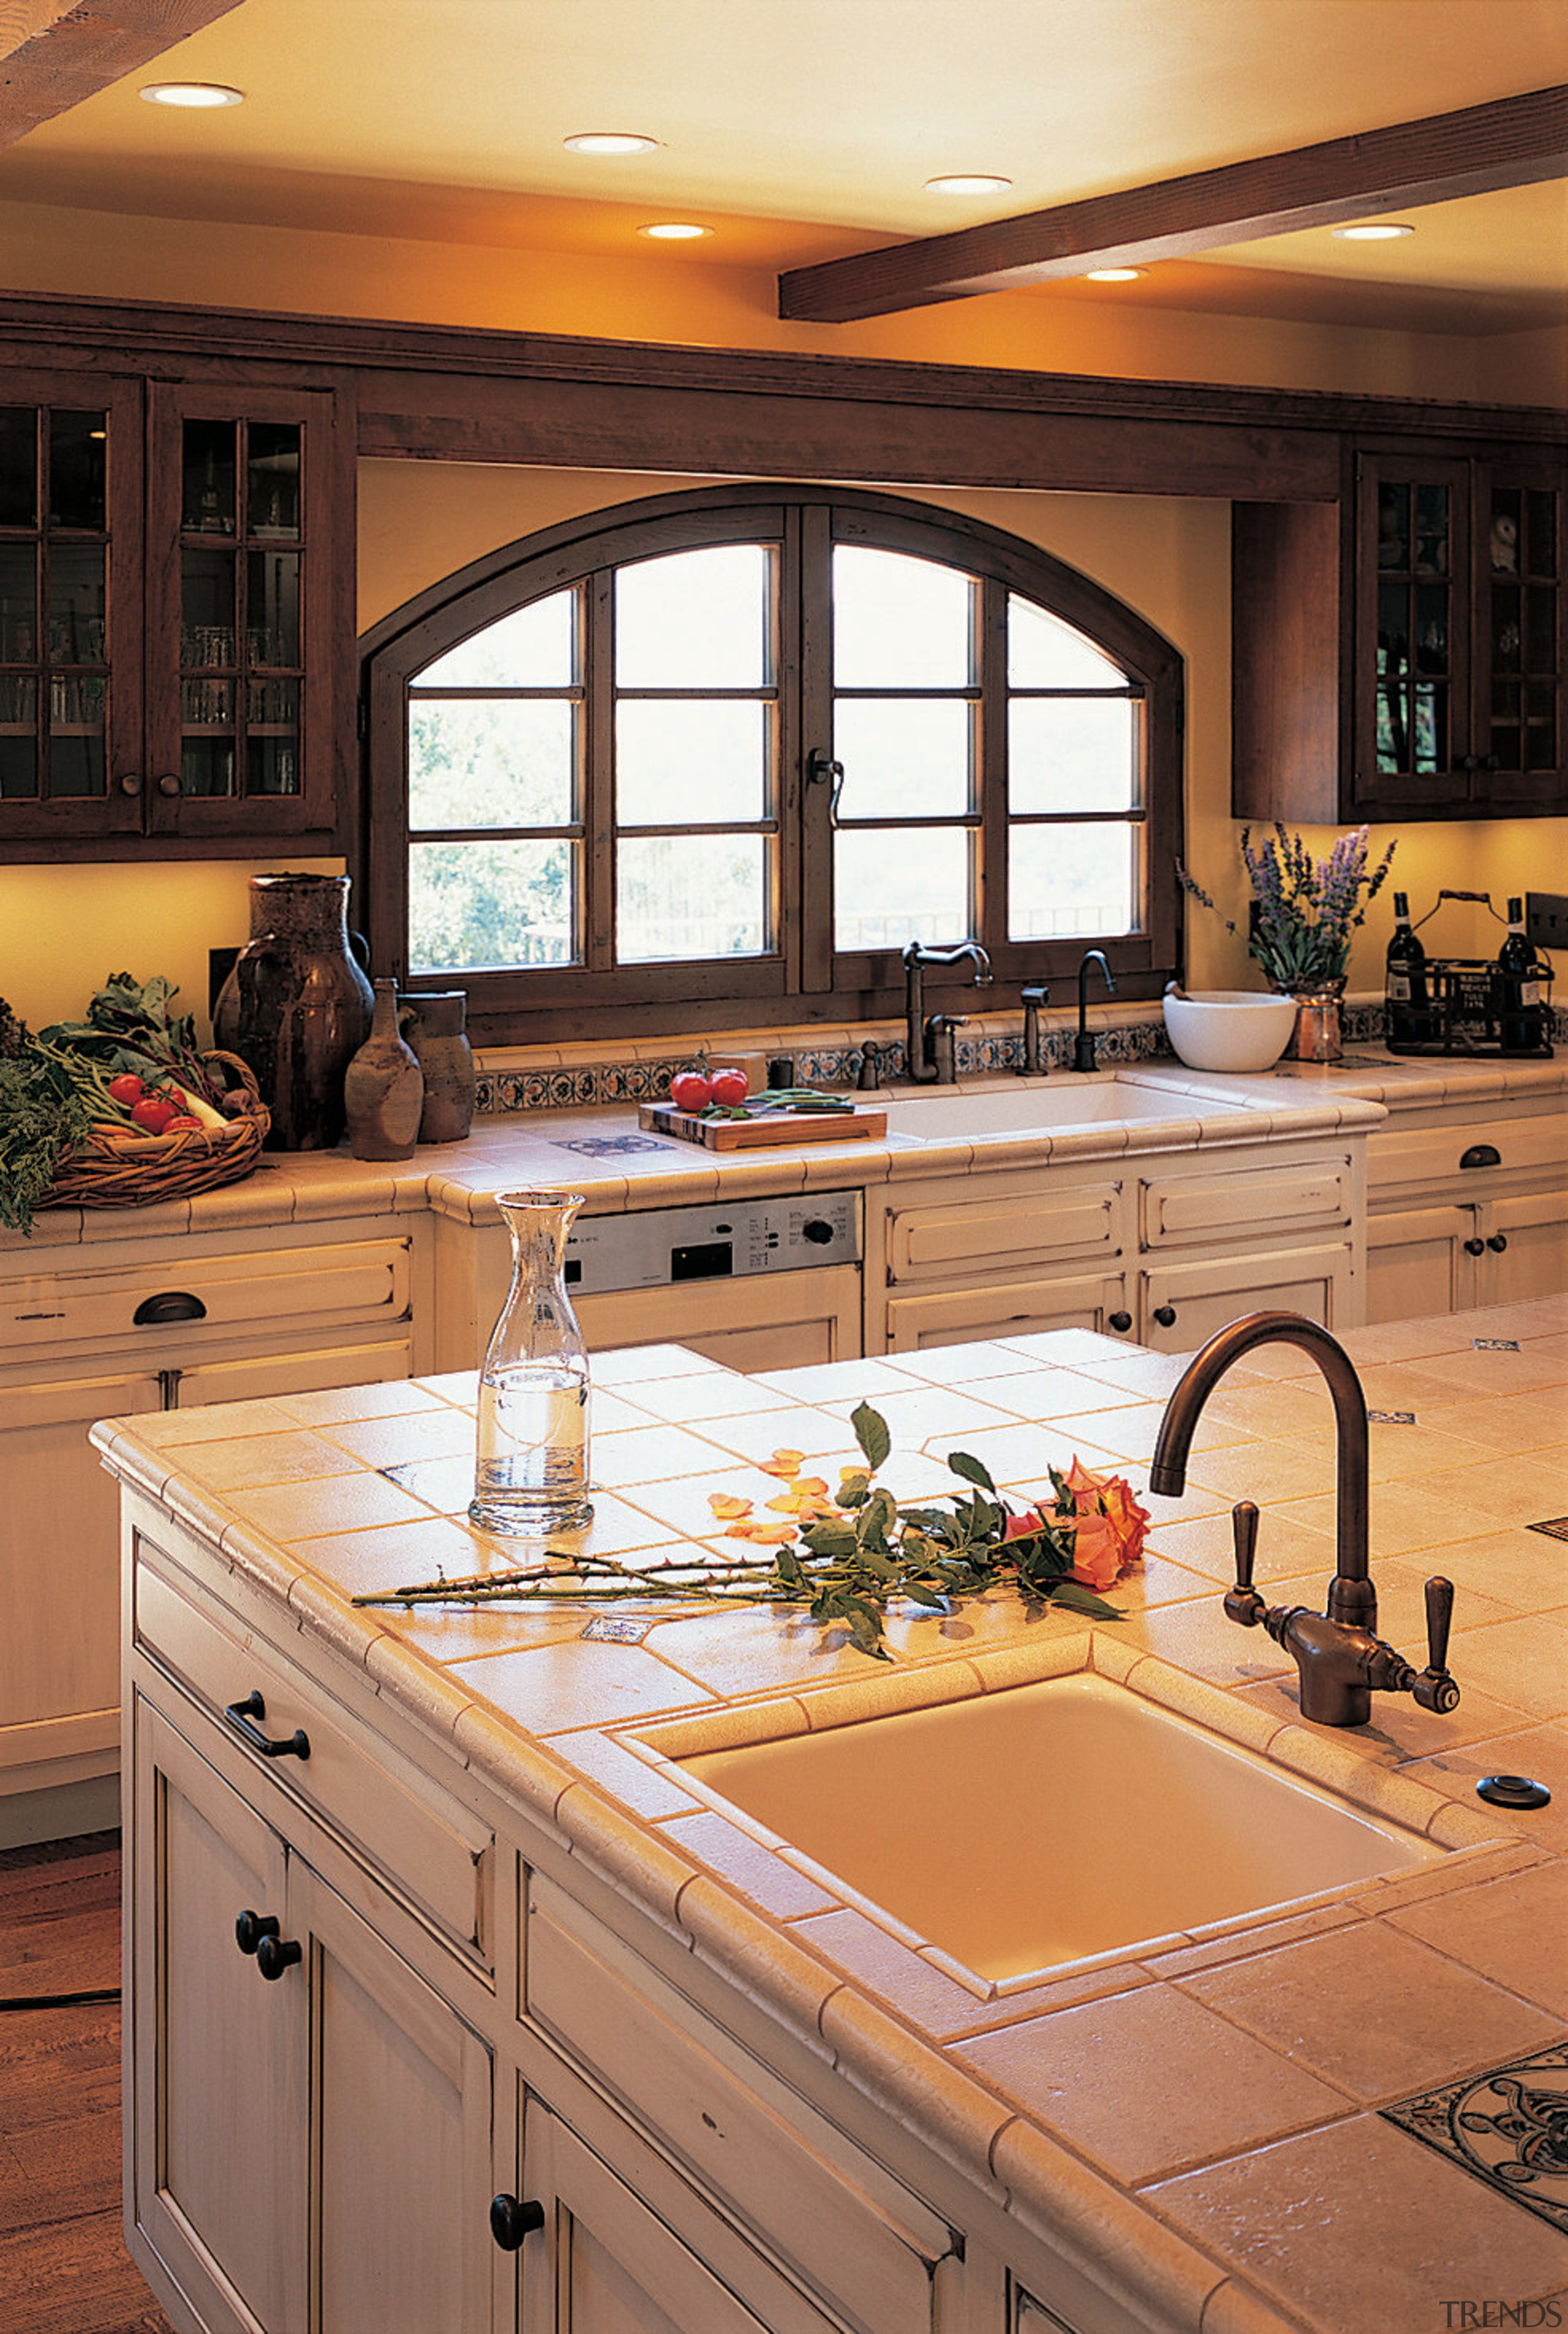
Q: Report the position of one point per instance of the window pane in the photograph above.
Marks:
(696, 620)
(533, 648)
(1042, 653)
(76, 604)
(894, 885)
(691, 761)
(473, 904)
(505, 763)
(77, 442)
(680, 897)
(904, 757)
(1065, 881)
(900, 622)
(1070, 753)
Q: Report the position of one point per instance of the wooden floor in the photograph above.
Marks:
(63, 2267)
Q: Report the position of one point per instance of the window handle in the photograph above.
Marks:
(821, 770)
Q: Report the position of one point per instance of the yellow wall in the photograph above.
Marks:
(1168, 557)
(62, 929)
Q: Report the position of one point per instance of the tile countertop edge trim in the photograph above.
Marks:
(335, 1184)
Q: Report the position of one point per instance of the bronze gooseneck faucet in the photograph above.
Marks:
(1341, 1660)
(930, 1054)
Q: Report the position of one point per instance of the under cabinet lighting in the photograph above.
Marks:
(608, 141)
(973, 182)
(1113, 274)
(194, 96)
(674, 231)
(1372, 231)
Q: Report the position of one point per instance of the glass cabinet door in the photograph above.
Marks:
(243, 633)
(1414, 678)
(70, 678)
(1520, 738)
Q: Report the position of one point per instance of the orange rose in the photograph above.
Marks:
(1110, 1527)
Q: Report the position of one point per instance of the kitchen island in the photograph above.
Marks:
(495, 1941)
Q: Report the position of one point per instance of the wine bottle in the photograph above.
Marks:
(1405, 994)
(1519, 998)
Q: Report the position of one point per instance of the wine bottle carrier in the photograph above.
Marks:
(1470, 1007)
(136, 1171)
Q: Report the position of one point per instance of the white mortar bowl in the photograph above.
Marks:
(1229, 1028)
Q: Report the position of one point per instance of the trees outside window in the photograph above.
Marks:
(716, 757)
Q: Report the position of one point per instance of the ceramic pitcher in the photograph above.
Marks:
(296, 1005)
(434, 1026)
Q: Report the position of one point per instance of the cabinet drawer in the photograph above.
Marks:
(978, 1234)
(423, 1843)
(1402, 1157)
(258, 1294)
(1008, 1308)
(1309, 1196)
(852, 2232)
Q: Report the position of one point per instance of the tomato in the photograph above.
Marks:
(689, 1090)
(152, 1114)
(127, 1088)
(729, 1086)
(183, 1124)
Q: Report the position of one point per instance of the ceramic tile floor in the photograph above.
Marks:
(1277, 2043)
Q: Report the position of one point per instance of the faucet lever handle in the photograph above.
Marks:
(1243, 1601)
(1434, 1689)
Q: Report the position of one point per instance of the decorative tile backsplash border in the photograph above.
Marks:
(501, 1092)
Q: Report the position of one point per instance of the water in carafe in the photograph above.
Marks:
(531, 1463)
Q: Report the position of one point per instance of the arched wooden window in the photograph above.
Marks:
(714, 757)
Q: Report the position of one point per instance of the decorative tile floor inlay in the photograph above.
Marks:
(1508, 2127)
(1390, 1417)
(1495, 1344)
(1556, 1528)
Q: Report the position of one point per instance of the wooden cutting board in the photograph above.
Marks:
(772, 1127)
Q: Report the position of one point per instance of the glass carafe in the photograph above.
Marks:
(531, 1471)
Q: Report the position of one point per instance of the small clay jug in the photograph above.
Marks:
(435, 1029)
(296, 1007)
(383, 1086)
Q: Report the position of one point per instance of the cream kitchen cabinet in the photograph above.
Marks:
(1466, 1209)
(126, 1328)
(309, 2069)
(1163, 1252)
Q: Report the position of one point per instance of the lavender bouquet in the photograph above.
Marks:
(1304, 910)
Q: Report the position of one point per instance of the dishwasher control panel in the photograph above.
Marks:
(662, 1248)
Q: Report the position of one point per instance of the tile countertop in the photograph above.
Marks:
(585, 1149)
(1199, 2121)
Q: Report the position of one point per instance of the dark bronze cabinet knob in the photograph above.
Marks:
(1476, 1247)
(168, 784)
(1166, 1315)
(513, 2218)
(1497, 1242)
(274, 1955)
(250, 1928)
(130, 784)
(1121, 1322)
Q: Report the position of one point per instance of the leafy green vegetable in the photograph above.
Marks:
(128, 1027)
(41, 1116)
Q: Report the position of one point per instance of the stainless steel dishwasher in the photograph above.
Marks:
(753, 1283)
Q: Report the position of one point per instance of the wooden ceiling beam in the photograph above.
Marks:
(55, 53)
(1512, 141)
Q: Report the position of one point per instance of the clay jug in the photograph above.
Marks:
(296, 1007)
(383, 1086)
(435, 1029)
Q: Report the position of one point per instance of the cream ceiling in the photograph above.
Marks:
(799, 129)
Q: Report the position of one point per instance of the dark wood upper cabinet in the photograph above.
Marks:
(176, 630)
(1406, 662)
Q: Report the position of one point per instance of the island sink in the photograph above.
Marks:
(1040, 1825)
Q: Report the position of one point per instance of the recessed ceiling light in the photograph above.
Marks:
(1113, 274)
(196, 96)
(972, 182)
(1372, 231)
(608, 141)
(674, 231)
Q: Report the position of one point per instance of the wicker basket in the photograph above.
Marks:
(136, 1171)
